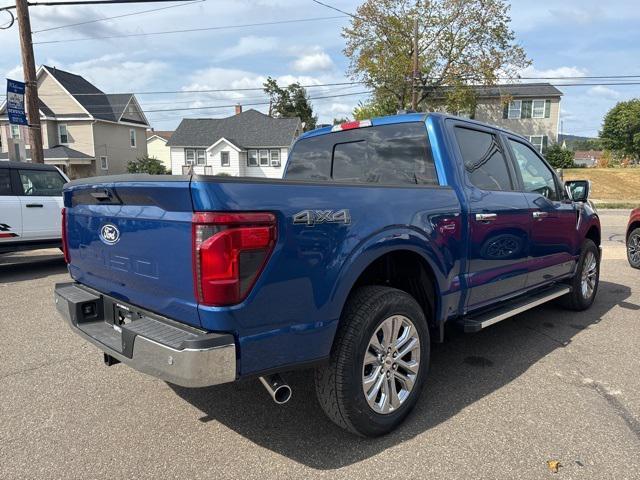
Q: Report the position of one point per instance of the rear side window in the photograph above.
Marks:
(5, 182)
(41, 183)
(484, 160)
(395, 154)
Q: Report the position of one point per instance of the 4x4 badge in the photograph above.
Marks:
(315, 217)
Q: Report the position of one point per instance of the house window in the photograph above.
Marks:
(194, 156)
(104, 163)
(515, 109)
(252, 158)
(63, 136)
(538, 142)
(224, 159)
(15, 131)
(537, 109)
(275, 158)
(264, 158)
(132, 138)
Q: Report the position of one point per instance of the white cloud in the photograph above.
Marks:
(554, 74)
(313, 62)
(15, 73)
(250, 45)
(603, 92)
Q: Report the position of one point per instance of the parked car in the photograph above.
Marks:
(633, 239)
(381, 233)
(30, 206)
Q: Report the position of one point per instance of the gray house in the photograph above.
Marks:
(248, 144)
(85, 131)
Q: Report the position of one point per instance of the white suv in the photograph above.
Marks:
(30, 206)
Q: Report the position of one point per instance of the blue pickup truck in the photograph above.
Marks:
(380, 234)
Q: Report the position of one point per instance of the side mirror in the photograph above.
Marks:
(578, 190)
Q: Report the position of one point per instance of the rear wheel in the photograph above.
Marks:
(633, 248)
(586, 280)
(378, 363)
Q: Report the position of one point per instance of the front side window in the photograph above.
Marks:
(132, 138)
(395, 154)
(15, 131)
(264, 158)
(252, 158)
(275, 158)
(537, 109)
(484, 161)
(63, 136)
(41, 183)
(224, 159)
(515, 109)
(536, 176)
(104, 163)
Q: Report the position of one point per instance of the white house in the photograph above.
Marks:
(157, 146)
(248, 144)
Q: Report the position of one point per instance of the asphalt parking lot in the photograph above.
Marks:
(546, 385)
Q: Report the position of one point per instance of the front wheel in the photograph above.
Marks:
(633, 248)
(378, 363)
(584, 284)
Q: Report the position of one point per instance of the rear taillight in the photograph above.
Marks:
(229, 252)
(65, 244)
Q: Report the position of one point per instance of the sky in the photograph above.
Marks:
(572, 38)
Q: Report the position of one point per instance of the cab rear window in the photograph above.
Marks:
(395, 154)
(5, 182)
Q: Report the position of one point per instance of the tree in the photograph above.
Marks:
(291, 101)
(559, 157)
(621, 130)
(339, 120)
(146, 164)
(460, 44)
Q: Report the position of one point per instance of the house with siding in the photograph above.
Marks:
(529, 109)
(85, 131)
(157, 146)
(248, 144)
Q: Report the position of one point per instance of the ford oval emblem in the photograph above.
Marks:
(109, 234)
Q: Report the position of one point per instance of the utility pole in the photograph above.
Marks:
(414, 76)
(31, 83)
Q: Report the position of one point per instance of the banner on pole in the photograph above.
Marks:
(15, 103)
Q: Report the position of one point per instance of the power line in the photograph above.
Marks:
(117, 16)
(334, 8)
(189, 30)
(88, 2)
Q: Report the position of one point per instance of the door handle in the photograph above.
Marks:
(540, 215)
(34, 205)
(486, 217)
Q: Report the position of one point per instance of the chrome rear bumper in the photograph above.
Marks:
(151, 344)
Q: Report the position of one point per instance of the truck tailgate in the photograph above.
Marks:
(131, 239)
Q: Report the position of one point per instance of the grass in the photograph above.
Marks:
(610, 187)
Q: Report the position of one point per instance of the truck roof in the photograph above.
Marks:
(26, 165)
(406, 118)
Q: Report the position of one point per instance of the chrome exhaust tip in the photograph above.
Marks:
(279, 390)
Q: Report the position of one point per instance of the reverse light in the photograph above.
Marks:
(65, 241)
(351, 125)
(230, 251)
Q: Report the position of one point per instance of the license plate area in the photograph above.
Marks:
(124, 315)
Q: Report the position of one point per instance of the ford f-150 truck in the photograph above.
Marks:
(381, 232)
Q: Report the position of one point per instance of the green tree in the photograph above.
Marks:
(621, 130)
(146, 164)
(339, 120)
(460, 43)
(559, 157)
(291, 101)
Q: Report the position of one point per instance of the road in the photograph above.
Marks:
(546, 385)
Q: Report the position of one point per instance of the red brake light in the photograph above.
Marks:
(351, 125)
(229, 252)
(65, 244)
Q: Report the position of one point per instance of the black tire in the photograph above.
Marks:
(633, 247)
(339, 384)
(577, 300)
